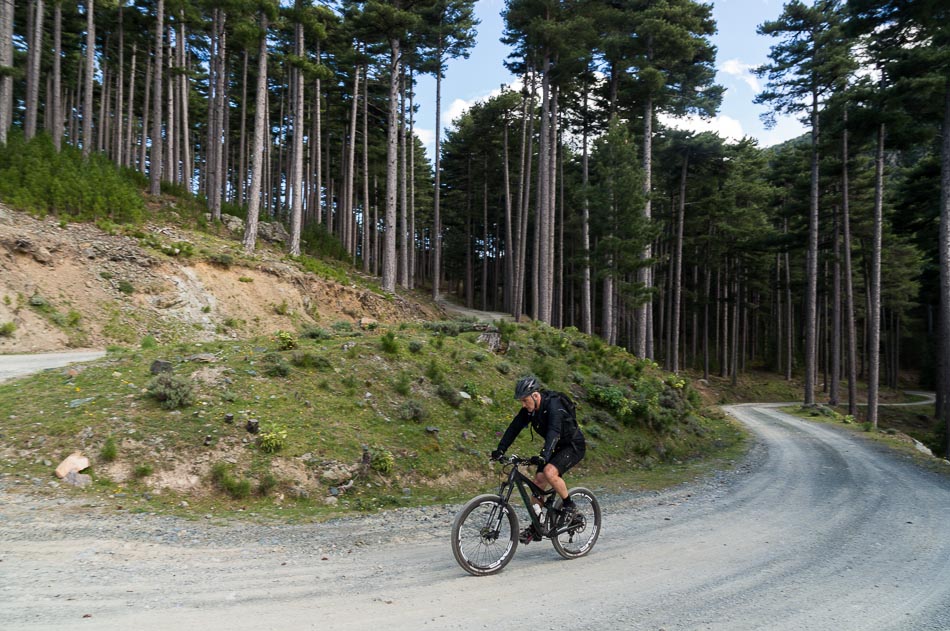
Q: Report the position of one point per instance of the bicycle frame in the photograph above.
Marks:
(524, 484)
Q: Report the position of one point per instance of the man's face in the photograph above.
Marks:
(531, 401)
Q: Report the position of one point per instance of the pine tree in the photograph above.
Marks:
(806, 67)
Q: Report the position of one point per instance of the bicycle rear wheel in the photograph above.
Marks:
(578, 538)
(484, 535)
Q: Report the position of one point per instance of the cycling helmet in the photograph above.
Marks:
(525, 386)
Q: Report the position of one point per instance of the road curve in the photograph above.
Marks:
(12, 366)
(819, 529)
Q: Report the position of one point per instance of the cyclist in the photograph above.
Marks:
(564, 444)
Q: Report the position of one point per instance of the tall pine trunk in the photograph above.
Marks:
(87, 106)
(852, 336)
(437, 192)
(296, 211)
(257, 145)
(943, 370)
(6, 64)
(874, 313)
(678, 268)
(811, 265)
(56, 98)
(392, 142)
(34, 59)
(155, 156)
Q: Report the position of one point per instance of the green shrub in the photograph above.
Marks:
(142, 471)
(447, 328)
(223, 479)
(109, 450)
(412, 410)
(342, 326)
(449, 395)
(415, 346)
(382, 461)
(224, 261)
(275, 366)
(402, 383)
(7, 329)
(285, 340)
(315, 333)
(389, 344)
(272, 439)
(172, 391)
(543, 369)
(613, 398)
(434, 372)
(148, 342)
(303, 359)
(245, 279)
(126, 287)
(505, 330)
(267, 483)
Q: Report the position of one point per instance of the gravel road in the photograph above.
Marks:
(18, 365)
(818, 530)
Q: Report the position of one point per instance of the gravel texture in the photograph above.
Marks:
(817, 529)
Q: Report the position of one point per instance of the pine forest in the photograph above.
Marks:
(564, 199)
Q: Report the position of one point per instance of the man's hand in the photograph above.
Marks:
(497, 454)
(537, 461)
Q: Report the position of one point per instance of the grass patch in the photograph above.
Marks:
(338, 396)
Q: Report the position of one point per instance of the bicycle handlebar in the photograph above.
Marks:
(513, 459)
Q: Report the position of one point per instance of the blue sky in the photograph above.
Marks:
(739, 50)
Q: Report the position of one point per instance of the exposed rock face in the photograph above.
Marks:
(118, 289)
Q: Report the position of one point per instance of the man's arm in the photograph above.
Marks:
(517, 424)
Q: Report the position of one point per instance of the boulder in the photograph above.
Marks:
(73, 462)
(273, 231)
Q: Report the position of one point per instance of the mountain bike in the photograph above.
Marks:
(485, 533)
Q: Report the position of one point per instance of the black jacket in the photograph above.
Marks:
(551, 421)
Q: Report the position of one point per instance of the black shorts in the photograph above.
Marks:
(565, 459)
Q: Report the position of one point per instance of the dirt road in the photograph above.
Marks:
(12, 366)
(818, 530)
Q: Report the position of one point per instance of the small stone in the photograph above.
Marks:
(78, 479)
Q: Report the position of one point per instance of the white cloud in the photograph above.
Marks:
(456, 109)
(741, 71)
(726, 126)
(426, 136)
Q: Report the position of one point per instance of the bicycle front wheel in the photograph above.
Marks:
(577, 538)
(484, 535)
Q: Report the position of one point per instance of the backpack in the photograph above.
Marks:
(568, 404)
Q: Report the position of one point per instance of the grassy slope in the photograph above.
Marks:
(394, 392)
